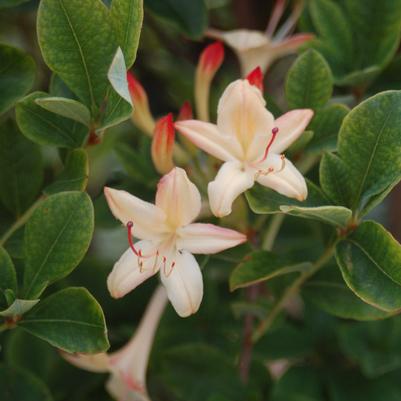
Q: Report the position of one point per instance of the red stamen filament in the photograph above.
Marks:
(138, 253)
(272, 139)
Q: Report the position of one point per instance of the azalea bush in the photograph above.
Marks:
(196, 200)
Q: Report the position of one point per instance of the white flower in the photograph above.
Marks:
(261, 49)
(128, 365)
(169, 238)
(250, 142)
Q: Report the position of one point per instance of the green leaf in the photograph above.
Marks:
(189, 17)
(19, 307)
(47, 128)
(21, 169)
(264, 200)
(376, 27)
(75, 175)
(370, 262)
(127, 17)
(335, 215)
(19, 385)
(16, 77)
(117, 76)
(369, 143)
(65, 107)
(78, 43)
(261, 266)
(71, 320)
(309, 82)
(325, 126)
(328, 292)
(334, 179)
(335, 35)
(57, 237)
(8, 276)
(374, 346)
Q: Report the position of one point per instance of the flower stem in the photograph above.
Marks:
(272, 231)
(20, 222)
(291, 291)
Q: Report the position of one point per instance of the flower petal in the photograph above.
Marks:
(291, 125)
(288, 182)
(207, 137)
(98, 363)
(208, 238)
(230, 182)
(127, 274)
(184, 284)
(178, 197)
(149, 220)
(241, 113)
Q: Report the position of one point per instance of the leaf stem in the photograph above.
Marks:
(20, 222)
(291, 291)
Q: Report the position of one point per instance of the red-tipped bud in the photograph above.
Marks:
(163, 144)
(185, 112)
(141, 115)
(211, 58)
(255, 78)
(209, 62)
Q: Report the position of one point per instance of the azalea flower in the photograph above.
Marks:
(256, 48)
(128, 365)
(168, 240)
(249, 142)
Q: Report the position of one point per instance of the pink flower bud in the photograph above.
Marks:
(185, 112)
(141, 115)
(255, 78)
(163, 144)
(209, 62)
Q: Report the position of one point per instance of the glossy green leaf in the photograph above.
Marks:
(127, 17)
(369, 143)
(335, 215)
(189, 17)
(8, 277)
(47, 128)
(325, 126)
(19, 385)
(16, 77)
(57, 237)
(74, 176)
(370, 262)
(65, 107)
(19, 307)
(335, 180)
(309, 82)
(78, 43)
(261, 266)
(264, 200)
(328, 292)
(21, 169)
(71, 320)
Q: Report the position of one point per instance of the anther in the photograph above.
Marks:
(170, 271)
(282, 157)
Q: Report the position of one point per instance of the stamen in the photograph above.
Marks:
(130, 225)
(272, 139)
(170, 271)
(282, 157)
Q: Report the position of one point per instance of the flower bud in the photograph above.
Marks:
(141, 115)
(255, 78)
(163, 144)
(209, 62)
(185, 112)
